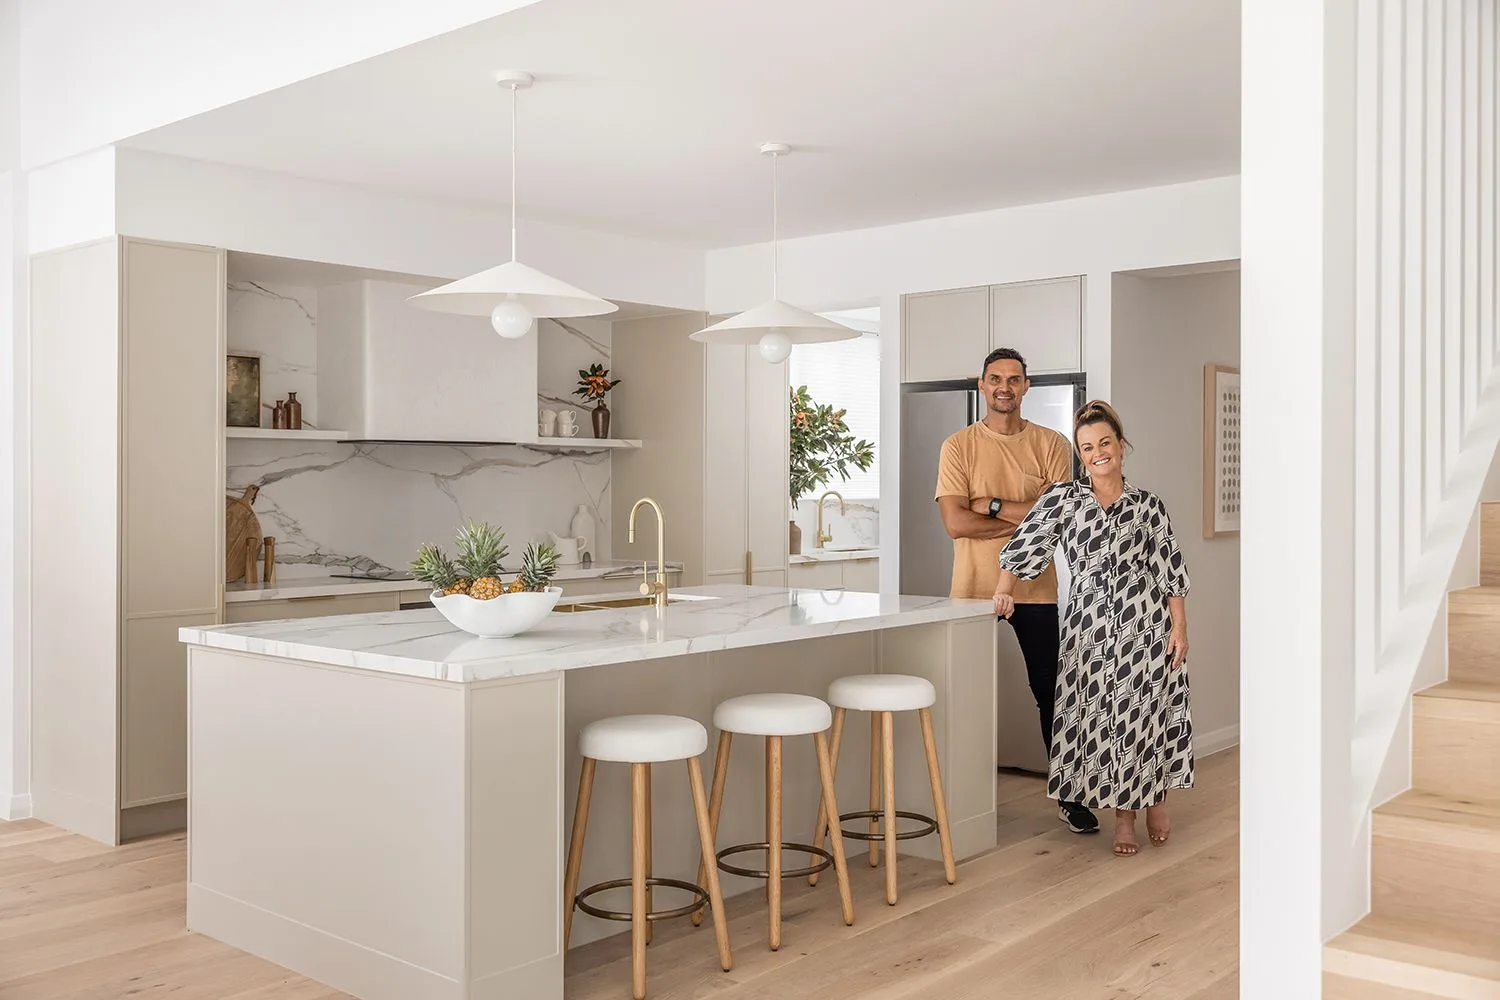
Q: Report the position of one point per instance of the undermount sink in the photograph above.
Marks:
(621, 602)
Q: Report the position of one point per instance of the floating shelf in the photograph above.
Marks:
(267, 433)
(545, 443)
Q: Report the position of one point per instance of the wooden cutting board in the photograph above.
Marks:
(240, 526)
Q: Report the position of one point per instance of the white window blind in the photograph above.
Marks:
(846, 375)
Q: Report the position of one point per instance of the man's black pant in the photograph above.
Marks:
(1036, 631)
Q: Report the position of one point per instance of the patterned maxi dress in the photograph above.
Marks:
(1122, 733)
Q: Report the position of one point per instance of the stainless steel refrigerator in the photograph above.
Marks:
(930, 412)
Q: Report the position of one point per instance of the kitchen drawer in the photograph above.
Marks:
(310, 607)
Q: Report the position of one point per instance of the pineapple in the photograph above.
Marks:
(433, 567)
(480, 549)
(538, 566)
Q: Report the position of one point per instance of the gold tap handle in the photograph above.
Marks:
(645, 587)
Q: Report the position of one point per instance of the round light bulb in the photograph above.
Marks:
(775, 346)
(511, 319)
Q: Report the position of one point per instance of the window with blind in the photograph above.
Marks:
(846, 375)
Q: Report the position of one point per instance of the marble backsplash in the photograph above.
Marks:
(858, 525)
(336, 507)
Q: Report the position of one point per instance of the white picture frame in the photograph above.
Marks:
(1221, 450)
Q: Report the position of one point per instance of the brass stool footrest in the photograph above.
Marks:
(700, 899)
(879, 814)
(785, 872)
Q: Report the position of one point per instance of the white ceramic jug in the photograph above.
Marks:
(569, 550)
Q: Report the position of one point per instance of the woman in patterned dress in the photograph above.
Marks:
(1122, 733)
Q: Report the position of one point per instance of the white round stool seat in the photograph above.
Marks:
(882, 693)
(643, 739)
(773, 715)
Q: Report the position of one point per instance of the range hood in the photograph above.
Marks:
(390, 372)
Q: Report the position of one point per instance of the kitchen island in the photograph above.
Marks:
(381, 802)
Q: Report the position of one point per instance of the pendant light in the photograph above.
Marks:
(512, 295)
(775, 325)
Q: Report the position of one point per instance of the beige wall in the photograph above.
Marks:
(1165, 330)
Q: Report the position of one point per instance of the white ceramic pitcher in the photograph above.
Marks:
(569, 550)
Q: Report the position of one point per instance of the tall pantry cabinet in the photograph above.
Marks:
(127, 511)
(720, 470)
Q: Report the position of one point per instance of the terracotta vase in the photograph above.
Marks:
(601, 420)
(795, 531)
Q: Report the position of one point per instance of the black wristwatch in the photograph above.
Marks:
(995, 503)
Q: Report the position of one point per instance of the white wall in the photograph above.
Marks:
(14, 682)
(1097, 236)
(171, 198)
(1165, 330)
(94, 72)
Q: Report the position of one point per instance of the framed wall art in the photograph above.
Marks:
(1221, 451)
(242, 390)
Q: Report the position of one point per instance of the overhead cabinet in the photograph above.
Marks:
(947, 334)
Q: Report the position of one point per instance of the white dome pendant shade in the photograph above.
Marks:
(512, 294)
(775, 325)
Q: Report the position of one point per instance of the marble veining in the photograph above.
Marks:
(279, 323)
(368, 507)
(421, 643)
(857, 527)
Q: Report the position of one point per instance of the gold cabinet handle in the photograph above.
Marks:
(749, 568)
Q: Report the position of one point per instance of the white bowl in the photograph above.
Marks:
(499, 617)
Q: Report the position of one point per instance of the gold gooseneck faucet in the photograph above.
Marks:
(824, 536)
(654, 588)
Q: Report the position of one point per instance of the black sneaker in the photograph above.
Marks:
(1077, 817)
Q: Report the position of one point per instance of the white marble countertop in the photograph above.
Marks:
(328, 586)
(421, 643)
(833, 555)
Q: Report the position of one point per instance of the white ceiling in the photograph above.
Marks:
(647, 114)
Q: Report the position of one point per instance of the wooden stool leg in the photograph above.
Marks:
(575, 846)
(821, 827)
(706, 845)
(715, 805)
(773, 837)
(939, 804)
(874, 785)
(888, 765)
(835, 832)
(650, 926)
(638, 881)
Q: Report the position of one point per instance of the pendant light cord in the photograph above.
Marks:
(774, 253)
(513, 106)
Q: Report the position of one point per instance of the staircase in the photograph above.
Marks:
(1434, 925)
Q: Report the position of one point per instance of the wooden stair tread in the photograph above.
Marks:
(1463, 691)
(1403, 953)
(1426, 807)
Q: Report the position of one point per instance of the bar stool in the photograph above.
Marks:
(882, 695)
(775, 716)
(640, 741)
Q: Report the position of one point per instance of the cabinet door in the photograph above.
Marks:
(862, 575)
(725, 434)
(767, 468)
(816, 575)
(172, 404)
(311, 607)
(1041, 319)
(153, 710)
(945, 335)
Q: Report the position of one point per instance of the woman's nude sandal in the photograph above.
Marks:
(1158, 834)
(1125, 848)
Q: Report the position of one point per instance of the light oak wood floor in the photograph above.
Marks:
(1049, 914)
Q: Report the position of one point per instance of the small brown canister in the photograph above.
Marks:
(269, 576)
(293, 412)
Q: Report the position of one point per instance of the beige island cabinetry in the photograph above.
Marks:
(380, 802)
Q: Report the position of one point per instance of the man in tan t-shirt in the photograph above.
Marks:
(989, 475)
